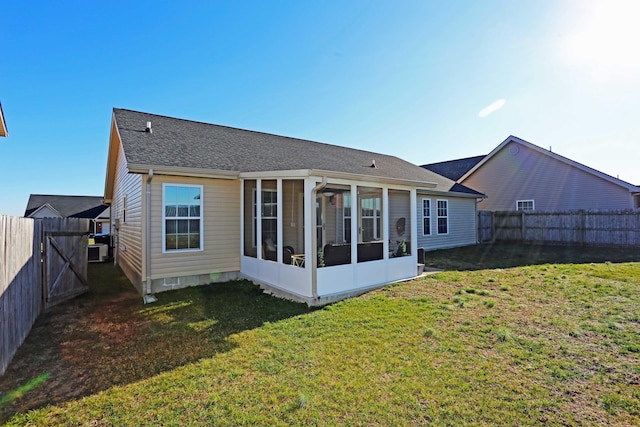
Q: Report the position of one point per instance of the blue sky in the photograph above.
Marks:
(426, 81)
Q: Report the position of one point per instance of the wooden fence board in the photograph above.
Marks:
(22, 288)
(597, 228)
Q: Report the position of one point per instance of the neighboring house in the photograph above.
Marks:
(518, 175)
(3, 124)
(194, 203)
(91, 207)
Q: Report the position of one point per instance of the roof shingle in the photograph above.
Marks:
(188, 144)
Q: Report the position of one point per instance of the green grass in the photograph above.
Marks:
(542, 343)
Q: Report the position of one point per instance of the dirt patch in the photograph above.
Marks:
(62, 358)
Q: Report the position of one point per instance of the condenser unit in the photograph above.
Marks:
(98, 252)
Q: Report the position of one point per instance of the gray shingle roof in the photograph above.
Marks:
(189, 144)
(67, 206)
(454, 169)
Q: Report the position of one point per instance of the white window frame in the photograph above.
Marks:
(164, 218)
(438, 216)
(346, 217)
(124, 209)
(426, 217)
(375, 217)
(254, 219)
(519, 204)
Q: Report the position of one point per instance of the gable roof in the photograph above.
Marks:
(3, 124)
(184, 146)
(632, 188)
(454, 169)
(67, 206)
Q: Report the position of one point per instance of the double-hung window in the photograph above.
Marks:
(371, 209)
(426, 217)
(270, 215)
(443, 216)
(182, 217)
(525, 205)
(346, 225)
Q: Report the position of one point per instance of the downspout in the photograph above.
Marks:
(314, 238)
(147, 297)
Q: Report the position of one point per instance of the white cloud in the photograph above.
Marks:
(492, 108)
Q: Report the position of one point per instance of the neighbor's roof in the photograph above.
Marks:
(68, 206)
(177, 143)
(454, 169)
(632, 188)
(3, 124)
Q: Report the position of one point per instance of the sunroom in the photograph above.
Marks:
(298, 232)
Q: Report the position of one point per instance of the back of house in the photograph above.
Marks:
(194, 203)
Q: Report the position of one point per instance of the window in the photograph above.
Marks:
(347, 217)
(371, 208)
(426, 217)
(124, 209)
(270, 215)
(182, 222)
(525, 205)
(443, 216)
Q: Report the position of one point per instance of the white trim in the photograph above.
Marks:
(533, 205)
(430, 216)
(46, 205)
(438, 216)
(164, 222)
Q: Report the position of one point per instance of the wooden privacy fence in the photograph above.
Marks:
(589, 228)
(42, 262)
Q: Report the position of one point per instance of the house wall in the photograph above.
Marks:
(45, 212)
(220, 259)
(128, 237)
(519, 173)
(462, 223)
(128, 215)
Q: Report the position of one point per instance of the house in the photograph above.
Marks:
(518, 175)
(3, 124)
(194, 203)
(57, 206)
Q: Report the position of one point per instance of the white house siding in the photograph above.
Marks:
(462, 223)
(45, 212)
(519, 173)
(129, 235)
(220, 259)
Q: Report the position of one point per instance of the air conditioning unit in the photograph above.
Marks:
(98, 252)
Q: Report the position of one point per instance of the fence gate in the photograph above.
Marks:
(64, 269)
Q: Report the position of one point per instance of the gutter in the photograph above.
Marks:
(148, 298)
(314, 238)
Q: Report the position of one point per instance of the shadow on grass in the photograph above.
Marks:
(505, 255)
(107, 337)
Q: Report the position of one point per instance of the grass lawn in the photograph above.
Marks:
(508, 335)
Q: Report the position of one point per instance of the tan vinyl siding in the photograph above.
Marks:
(221, 233)
(462, 223)
(129, 244)
(519, 173)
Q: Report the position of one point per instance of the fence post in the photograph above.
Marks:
(493, 226)
(583, 227)
(522, 227)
